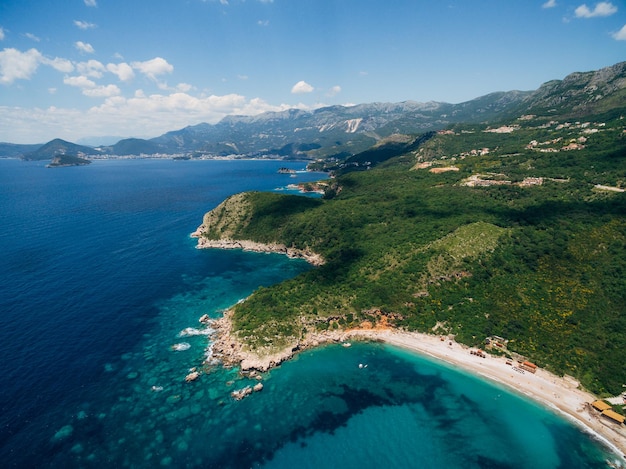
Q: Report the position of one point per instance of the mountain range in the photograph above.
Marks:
(341, 132)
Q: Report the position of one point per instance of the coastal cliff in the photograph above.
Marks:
(221, 228)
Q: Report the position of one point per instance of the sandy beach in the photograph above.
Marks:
(561, 394)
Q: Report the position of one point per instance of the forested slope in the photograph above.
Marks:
(515, 229)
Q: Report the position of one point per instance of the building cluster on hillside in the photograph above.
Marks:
(574, 144)
(505, 129)
(485, 180)
(474, 152)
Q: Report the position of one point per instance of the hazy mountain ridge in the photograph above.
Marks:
(348, 130)
(16, 150)
(329, 130)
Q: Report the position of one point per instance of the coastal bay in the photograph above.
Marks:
(561, 394)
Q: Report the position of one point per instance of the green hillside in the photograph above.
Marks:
(58, 147)
(515, 229)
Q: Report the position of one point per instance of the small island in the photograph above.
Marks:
(61, 161)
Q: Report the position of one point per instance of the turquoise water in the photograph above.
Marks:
(101, 290)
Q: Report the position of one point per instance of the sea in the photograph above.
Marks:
(101, 290)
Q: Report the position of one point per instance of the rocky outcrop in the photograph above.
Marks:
(194, 375)
(232, 352)
(246, 245)
(242, 393)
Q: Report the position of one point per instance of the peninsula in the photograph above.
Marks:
(499, 229)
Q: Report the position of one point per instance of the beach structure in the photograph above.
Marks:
(607, 411)
(528, 366)
(601, 405)
(613, 416)
(495, 341)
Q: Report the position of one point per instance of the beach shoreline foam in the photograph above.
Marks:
(561, 394)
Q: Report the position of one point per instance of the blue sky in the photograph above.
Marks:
(83, 68)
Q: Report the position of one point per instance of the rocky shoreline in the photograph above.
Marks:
(231, 352)
(247, 245)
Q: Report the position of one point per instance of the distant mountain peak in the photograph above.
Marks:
(581, 93)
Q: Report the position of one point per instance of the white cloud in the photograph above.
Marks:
(90, 88)
(302, 87)
(2, 34)
(91, 68)
(105, 91)
(184, 87)
(154, 67)
(32, 37)
(141, 115)
(334, 91)
(621, 34)
(123, 71)
(601, 9)
(84, 25)
(549, 4)
(91, 3)
(80, 81)
(16, 65)
(181, 108)
(60, 65)
(84, 47)
(263, 22)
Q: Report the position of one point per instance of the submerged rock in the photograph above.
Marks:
(63, 433)
(194, 375)
(239, 394)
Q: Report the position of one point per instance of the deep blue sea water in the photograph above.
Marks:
(99, 278)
